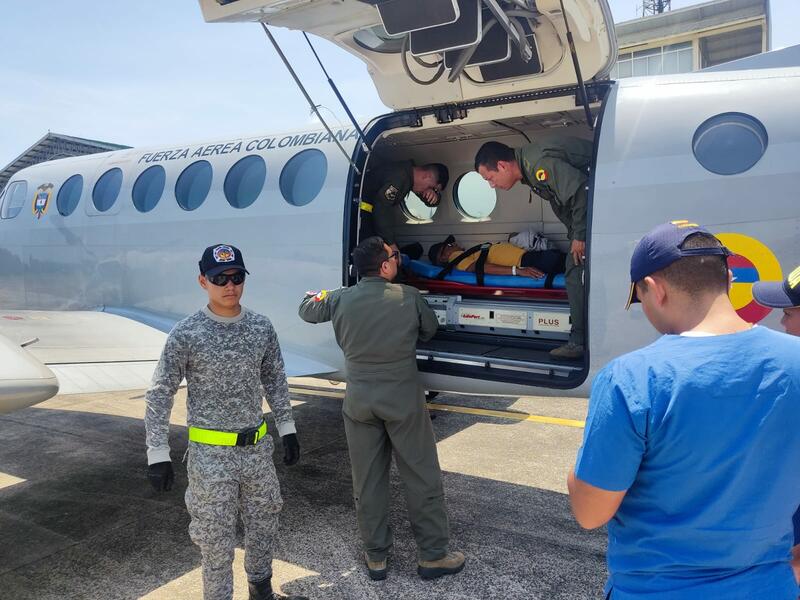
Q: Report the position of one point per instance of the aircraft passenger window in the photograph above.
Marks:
(245, 180)
(303, 176)
(106, 189)
(730, 143)
(416, 210)
(148, 188)
(193, 185)
(14, 199)
(474, 197)
(69, 195)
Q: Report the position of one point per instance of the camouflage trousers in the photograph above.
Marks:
(224, 483)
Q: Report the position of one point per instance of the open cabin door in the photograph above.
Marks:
(431, 52)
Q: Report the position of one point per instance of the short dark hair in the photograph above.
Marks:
(698, 275)
(440, 171)
(491, 152)
(369, 255)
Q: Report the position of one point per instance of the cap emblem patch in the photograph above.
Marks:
(224, 254)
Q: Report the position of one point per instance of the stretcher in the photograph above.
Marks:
(465, 282)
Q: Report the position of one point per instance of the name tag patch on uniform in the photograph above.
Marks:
(541, 175)
(391, 193)
(223, 254)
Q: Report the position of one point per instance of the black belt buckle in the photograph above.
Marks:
(248, 437)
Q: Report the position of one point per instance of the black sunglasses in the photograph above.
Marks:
(223, 279)
(394, 255)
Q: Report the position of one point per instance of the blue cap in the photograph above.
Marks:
(661, 247)
(779, 294)
(219, 258)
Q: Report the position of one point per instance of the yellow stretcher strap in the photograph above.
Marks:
(365, 206)
(227, 438)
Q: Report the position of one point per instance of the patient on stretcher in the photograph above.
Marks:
(500, 259)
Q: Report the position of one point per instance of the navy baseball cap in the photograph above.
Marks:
(219, 258)
(779, 294)
(661, 247)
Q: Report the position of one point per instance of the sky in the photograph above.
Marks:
(152, 72)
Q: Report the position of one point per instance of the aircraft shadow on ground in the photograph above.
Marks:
(85, 522)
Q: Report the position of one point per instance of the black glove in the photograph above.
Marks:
(161, 476)
(291, 449)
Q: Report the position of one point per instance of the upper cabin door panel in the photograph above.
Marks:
(504, 46)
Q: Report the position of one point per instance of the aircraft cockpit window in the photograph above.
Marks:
(474, 198)
(69, 195)
(148, 188)
(14, 199)
(245, 180)
(730, 143)
(106, 189)
(416, 210)
(193, 185)
(303, 176)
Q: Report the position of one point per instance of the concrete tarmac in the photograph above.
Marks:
(79, 519)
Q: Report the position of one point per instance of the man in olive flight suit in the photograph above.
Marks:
(377, 324)
(385, 188)
(556, 169)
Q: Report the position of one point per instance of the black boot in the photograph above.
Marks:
(262, 590)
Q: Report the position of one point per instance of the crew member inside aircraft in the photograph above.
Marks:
(556, 169)
(501, 259)
(786, 296)
(690, 449)
(230, 359)
(377, 324)
(386, 186)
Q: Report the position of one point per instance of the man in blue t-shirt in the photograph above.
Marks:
(785, 295)
(690, 451)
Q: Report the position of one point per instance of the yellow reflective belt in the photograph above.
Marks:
(365, 206)
(221, 438)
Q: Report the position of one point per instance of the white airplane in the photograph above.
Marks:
(99, 252)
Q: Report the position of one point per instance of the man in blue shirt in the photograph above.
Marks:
(690, 450)
(785, 295)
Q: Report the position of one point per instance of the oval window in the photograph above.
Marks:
(148, 188)
(106, 189)
(193, 185)
(303, 176)
(473, 196)
(69, 195)
(14, 199)
(730, 143)
(416, 210)
(245, 180)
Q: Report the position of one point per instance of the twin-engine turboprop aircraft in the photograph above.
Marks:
(99, 252)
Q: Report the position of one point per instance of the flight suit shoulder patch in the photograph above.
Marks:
(391, 193)
(541, 175)
(317, 296)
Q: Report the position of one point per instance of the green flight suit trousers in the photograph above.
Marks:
(384, 411)
(575, 294)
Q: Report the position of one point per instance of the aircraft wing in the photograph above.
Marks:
(89, 351)
(79, 352)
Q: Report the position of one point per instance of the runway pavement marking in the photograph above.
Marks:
(7, 480)
(483, 412)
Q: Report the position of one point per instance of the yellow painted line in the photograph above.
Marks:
(483, 412)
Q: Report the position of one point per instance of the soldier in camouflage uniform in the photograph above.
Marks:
(556, 169)
(377, 324)
(226, 353)
(387, 185)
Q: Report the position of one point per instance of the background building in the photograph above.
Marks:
(692, 38)
(50, 147)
